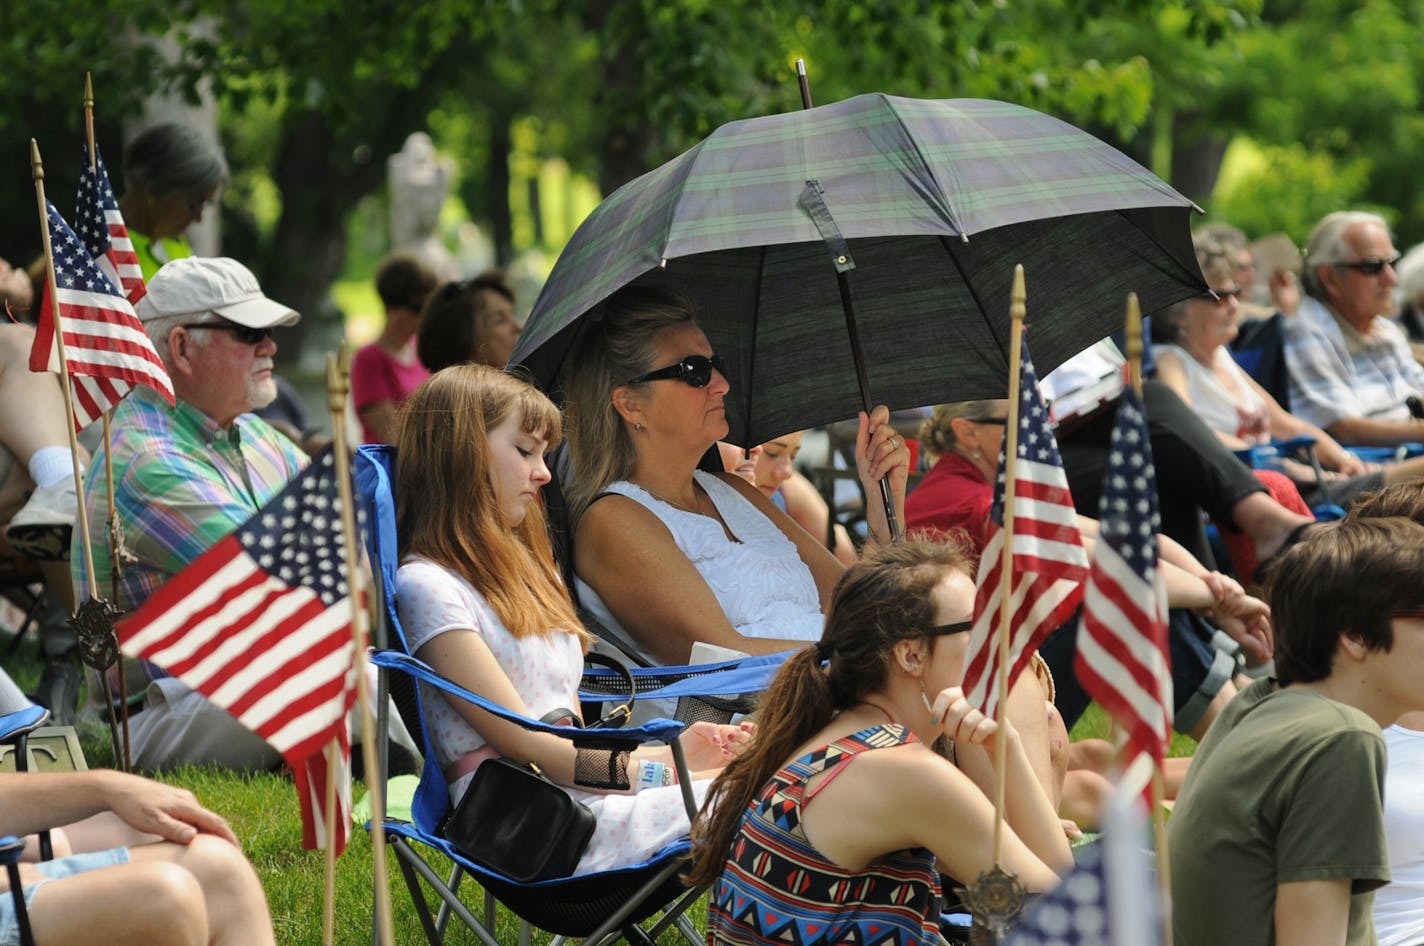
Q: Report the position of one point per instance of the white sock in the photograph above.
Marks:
(50, 465)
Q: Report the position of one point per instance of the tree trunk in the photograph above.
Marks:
(500, 145)
(1196, 156)
(623, 152)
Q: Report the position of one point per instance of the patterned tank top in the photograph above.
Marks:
(777, 888)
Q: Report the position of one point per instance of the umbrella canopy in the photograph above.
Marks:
(936, 202)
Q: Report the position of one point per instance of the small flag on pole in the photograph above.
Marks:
(261, 625)
(1049, 564)
(105, 345)
(1122, 657)
(100, 225)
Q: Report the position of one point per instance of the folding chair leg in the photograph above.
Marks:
(442, 919)
(412, 864)
(675, 915)
(614, 924)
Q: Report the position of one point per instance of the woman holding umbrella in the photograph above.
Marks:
(665, 553)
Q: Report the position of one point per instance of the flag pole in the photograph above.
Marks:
(338, 384)
(1017, 306)
(37, 166)
(1159, 820)
(332, 751)
(115, 558)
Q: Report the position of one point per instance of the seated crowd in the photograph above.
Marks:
(670, 555)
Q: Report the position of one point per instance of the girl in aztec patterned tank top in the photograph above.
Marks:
(862, 863)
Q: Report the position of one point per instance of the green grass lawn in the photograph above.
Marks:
(263, 812)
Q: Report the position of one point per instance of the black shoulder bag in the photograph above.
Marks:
(514, 821)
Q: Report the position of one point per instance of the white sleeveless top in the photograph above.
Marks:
(1241, 415)
(759, 579)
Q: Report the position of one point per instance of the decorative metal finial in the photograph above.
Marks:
(93, 624)
(995, 900)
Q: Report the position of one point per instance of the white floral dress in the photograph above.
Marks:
(545, 670)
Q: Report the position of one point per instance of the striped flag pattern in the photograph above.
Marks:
(1049, 564)
(100, 225)
(261, 625)
(1122, 657)
(105, 344)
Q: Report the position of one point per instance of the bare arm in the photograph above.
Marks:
(463, 657)
(628, 556)
(1172, 373)
(34, 801)
(1313, 912)
(1284, 425)
(907, 797)
(380, 418)
(1368, 432)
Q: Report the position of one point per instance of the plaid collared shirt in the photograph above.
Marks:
(181, 483)
(1336, 371)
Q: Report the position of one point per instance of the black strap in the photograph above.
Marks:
(615, 718)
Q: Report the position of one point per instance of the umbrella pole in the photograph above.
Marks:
(858, 357)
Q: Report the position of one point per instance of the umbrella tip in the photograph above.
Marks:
(800, 67)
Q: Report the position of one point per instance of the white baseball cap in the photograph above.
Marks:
(195, 285)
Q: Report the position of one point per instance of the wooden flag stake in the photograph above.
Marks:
(116, 559)
(1017, 306)
(38, 168)
(338, 384)
(1159, 819)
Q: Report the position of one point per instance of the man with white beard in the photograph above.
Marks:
(187, 476)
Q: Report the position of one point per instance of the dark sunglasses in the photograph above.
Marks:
(1224, 296)
(243, 333)
(1409, 615)
(694, 370)
(1372, 266)
(944, 630)
(994, 421)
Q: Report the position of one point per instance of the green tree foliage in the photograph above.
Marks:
(316, 93)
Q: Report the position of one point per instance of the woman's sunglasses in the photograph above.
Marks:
(243, 333)
(694, 370)
(944, 630)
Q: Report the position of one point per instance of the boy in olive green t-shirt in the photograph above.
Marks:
(1278, 833)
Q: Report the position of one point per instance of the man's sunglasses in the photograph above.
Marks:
(1372, 266)
(243, 333)
(694, 370)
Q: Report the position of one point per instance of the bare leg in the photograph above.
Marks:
(32, 411)
(149, 902)
(1267, 522)
(1034, 719)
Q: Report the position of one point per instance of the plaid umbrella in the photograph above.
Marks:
(921, 208)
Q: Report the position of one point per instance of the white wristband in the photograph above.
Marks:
(653, 775)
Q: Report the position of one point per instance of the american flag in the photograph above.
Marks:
(1049, 564)
(100, 225)
(105, 345)
(261, 625)
(1122, 657)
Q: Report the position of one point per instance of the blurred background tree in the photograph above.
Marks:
(1267, 112)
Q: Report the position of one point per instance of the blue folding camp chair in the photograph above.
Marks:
(601, 907)
(10, 850)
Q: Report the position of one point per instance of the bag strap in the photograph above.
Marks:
(619, 715)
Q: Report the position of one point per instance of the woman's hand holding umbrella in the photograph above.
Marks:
(881, 452)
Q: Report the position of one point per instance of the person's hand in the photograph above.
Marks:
(1248, 622)
(713, 745)
(1225, 590)
(881, 451)
(1285, 291)
(172, 813)
(961, 722)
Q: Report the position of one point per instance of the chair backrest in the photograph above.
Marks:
(1260, 350)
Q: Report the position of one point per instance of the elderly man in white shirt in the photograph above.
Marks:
(1351, 369)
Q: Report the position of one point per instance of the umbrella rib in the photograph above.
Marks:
(756, 326)
(949, 211)
(974, 293)
(1165, 252)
